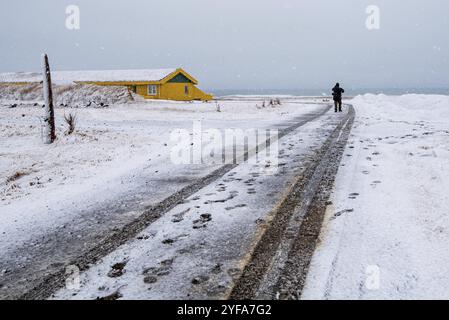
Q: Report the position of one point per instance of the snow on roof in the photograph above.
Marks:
(64, 77)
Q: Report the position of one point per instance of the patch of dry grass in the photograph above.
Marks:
(16, 176)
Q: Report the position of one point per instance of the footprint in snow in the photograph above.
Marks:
(113, 296)
(374, 184)
(179, 216)
(339, 213)
(217, 268)
(117, 270)
(168, 241)
(202, 221)
(235, 207)
(200, 279)
(232, 195)
(152, 274)
(221, 188)
(249, 181)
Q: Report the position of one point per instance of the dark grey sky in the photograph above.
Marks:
(237, 44)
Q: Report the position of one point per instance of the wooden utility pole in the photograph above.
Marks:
(49, 120)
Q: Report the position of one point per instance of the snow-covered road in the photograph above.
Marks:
(199, 249)
(72, 195)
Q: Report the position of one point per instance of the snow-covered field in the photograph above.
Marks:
(386, 235)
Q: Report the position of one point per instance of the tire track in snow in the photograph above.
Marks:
(279, 263)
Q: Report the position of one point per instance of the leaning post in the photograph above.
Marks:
(49, 120)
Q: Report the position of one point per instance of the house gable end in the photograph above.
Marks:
(180, 78)
(176, 73)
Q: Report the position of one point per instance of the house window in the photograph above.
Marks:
(152, 89)
(186, 90)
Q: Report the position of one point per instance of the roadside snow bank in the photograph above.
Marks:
(71, 96)
(386, 233)
(413, 106)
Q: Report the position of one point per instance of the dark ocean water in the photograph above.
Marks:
(320, 92)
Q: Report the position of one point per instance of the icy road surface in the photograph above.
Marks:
(199, 249)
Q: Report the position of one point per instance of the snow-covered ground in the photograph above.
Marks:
(58, 198)
(386, 235)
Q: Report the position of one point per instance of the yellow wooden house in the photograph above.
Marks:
(166, 84)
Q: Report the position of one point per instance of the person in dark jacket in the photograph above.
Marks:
(337, 94)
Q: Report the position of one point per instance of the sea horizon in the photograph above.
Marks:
(327, 92)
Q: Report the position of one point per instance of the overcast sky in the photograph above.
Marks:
(237, 44)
